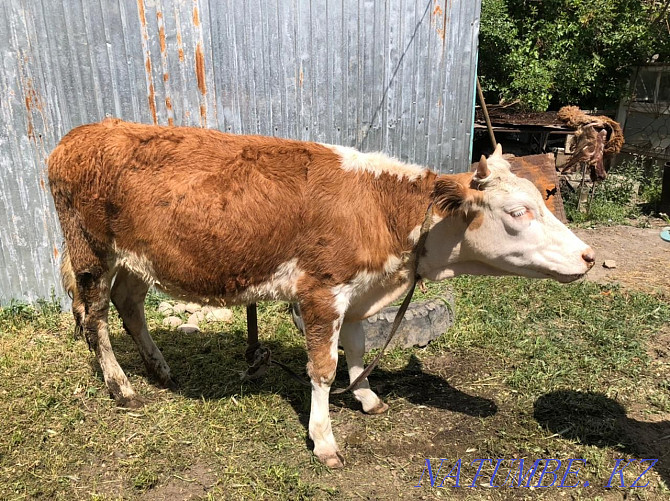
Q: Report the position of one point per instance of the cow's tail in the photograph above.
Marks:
(67, 274)
(69, 281)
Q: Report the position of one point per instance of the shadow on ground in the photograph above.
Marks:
(209, 365)
(594, 419)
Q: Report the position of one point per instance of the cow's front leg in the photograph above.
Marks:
(322, 325)
(352, 339)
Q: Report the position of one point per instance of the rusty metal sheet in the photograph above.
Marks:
(541, 171)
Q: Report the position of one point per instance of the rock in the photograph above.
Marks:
(423, 322)
(196, 318)
(165, 308)
(193, 307)
(188, 328)
(179, 308)
(609, 264)
(172, 322)
(219, 315)
(207, 309)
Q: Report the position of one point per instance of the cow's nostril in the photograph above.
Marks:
(589, 256)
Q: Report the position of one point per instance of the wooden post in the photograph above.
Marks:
(252, 333)
(480, 95)
(665, 190)
(581, 193)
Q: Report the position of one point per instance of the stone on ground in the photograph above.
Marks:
(196, 318)
(165, 308)
(172, 322)
(188, 328)
(219, 315)
(193, 307)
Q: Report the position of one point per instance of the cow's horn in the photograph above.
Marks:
(482, 169)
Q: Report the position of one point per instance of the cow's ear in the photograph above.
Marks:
(498, 150)
(449, 195)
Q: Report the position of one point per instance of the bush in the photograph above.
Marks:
(632, 188)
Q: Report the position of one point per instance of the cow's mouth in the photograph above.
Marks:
(563, 278)
(566, 278)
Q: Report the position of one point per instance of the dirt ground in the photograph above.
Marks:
(642, 258)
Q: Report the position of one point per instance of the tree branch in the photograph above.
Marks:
(662, 14)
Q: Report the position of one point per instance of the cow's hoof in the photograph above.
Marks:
(332, 460)
(134, 402)
(380, 408)
(169, 383)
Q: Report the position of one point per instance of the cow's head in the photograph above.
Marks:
(495, 223)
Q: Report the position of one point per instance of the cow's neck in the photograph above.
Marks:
(403, 203)
(445, 256)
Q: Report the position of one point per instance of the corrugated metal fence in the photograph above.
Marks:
(396, 76)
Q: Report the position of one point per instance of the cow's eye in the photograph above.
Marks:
(518, 212)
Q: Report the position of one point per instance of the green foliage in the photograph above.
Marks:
(652, 186)
(155, 297)
(553, 52)
(42, 314)
(632, 187)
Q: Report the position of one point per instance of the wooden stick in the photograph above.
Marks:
(482, 103)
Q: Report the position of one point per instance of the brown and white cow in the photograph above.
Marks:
(229, 219)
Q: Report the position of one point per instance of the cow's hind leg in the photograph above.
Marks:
(128, 293)
(87, 276)
(94, 288)
(352, 339)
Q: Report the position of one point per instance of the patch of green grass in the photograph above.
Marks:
(631, 189)
(155, 297)
(601, 211)
(145, 480)
(517, 346)
(556, 333)
(43, 314)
